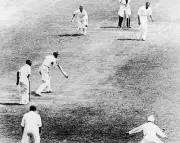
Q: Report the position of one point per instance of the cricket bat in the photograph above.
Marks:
(29, 91)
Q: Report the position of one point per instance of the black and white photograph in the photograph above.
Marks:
(90, 71)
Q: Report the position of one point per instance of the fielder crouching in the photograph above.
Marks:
(49, 62)
(82, 20)
(31, 126)
(150, 131)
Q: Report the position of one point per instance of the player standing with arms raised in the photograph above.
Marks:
(82, 19)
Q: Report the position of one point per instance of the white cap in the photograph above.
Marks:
(151, 118)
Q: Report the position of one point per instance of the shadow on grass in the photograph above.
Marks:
(34, 94)
(128, 39)
(10, 104)
(70, 35)
(80, 124)
(106, 27)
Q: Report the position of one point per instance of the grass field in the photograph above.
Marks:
(114, 83)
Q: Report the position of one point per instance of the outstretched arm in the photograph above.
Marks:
(160, 133)
(61, 69)
(73, 17)
(136, 130)
(151, 18)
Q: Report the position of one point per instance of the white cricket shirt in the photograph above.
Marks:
(123, 7)
(24, 72)
(149, 129)
(31, 120)
(81, 15)
(143, 13)
(49, 61)
(124, 1)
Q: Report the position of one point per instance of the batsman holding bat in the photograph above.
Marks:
(49, 62)
(23, 75)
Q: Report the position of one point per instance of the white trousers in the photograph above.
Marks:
(151, 140)
(46, 79)
(24, 93)
(82, 25)
(143, 30)
(30, 135)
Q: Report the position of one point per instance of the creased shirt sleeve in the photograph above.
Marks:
(159, 132)
(39, 122)
(136, 130)
(23, 122)
(150, 11)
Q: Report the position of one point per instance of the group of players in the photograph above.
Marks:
(31, 121)
(24, 73)
(124, 11)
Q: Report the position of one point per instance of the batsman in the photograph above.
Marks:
(49, 62)
(23, 75)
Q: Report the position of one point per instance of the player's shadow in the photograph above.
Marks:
(70, 35)
(10, 104)
(106, 27)
(34, 94)
(128, 39)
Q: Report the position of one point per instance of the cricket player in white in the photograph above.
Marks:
(49, 62)
(23, 75)
(124, 10)
(82, 19)
(150, 131)
(31, 126)
(143, 13)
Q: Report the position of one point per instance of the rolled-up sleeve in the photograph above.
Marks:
(75, 12)
(23, 122)
(150, 11)
(139, 11)
(39, 122)
(159, 132)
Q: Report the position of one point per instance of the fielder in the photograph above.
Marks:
(82, 20)
(23, 75)
(49, 62)
(31, 126)
(124, 10)
(143, 12)
(150, 131)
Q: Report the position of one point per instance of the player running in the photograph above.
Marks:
(82, 20)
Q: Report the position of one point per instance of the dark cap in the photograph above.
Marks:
(28, 62)
(56, 53)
